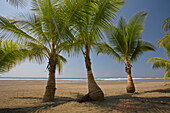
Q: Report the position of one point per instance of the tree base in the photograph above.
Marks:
(83, 98)
(49, 94)
(130, 89)
(92, 96)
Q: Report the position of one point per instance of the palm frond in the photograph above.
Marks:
(167, 74)
(60, 60)
(126, 40)
(165, 42)
(135, 25)
(9, 29)
(36, 52)
(116, 39)
(33, 26)
(10, 55)
(107, 49)
(166, 45)
(134, 29)
(166, 38)
(16, 3)
(142, 46)
(77, 46)
(104, 14)
(122, 25)
(160, 63)
(34, 5)
(166, 25)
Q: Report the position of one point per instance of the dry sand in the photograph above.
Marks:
(19, 96)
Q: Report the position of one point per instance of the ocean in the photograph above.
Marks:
(82, 80)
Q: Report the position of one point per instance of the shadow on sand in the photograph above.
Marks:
(132, 103)
(32, 109)
(126, 103)
(159, 91)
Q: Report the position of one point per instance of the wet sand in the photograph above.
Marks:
(25, 96)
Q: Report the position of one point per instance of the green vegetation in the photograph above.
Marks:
(126, 44)
(11, 53)
(165, 42)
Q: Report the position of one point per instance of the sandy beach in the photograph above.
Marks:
(25, 96)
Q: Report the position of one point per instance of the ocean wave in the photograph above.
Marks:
(81, 80)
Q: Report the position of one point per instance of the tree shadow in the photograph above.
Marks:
(159, 90)
(38, 98)
(42, 106)
(131, 103)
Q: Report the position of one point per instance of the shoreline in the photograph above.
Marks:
(35, 81)
(43, 82)
(101, 80)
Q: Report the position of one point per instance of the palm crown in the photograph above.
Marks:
(89, 19)
(42, 32)
(125, 40)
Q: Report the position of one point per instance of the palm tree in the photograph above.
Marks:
(89, 19)
(126, 44)
(165, 42)
(11, 54)
(45, 34)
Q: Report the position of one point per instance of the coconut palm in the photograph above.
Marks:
(45, 34)
(125, 44)
(11, 54)
(89, 19)
(165, 42)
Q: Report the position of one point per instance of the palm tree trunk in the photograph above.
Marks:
(50, 88)
(95, 93)
(130, 85)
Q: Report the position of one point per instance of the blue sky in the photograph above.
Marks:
(103, 65)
